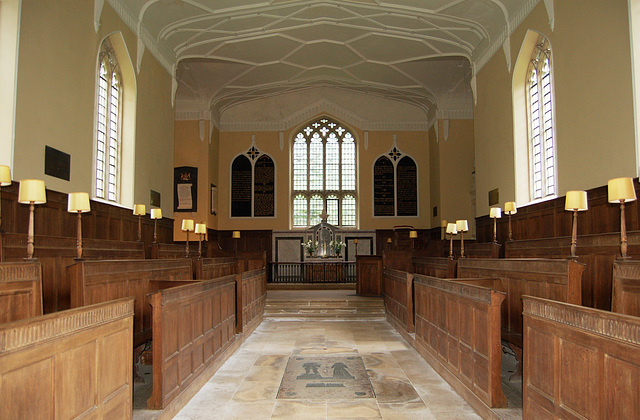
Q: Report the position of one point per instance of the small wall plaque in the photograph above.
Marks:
(57, 163)
(154, 198)
(494, 197)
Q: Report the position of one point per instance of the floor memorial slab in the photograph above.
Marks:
(325, 377)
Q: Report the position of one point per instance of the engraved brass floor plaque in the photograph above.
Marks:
(325, 377)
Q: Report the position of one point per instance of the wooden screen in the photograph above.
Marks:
(251, 298)
(398, 298)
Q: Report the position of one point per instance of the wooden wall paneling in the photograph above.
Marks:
(579, 362)
(251, 299)
(20, 291)
(626, 287)
(192, 325)
(459, 325)
(78, 362)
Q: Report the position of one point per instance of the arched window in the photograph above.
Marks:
(324, 175)
(542, 148)
(108, 129)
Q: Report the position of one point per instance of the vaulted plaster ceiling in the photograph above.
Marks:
(227, 52)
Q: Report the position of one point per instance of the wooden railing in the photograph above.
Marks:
(313, 272)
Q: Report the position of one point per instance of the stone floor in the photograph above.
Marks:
(404, 385)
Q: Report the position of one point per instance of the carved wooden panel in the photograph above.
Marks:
(192, 325)
(20, 291)
(100, 281)
(444, 268)
(626, 287)
(459, 325)
(369, 275)
(71, 364)
(579, 362)
(548, 278)
(398, 297)
(251, 296)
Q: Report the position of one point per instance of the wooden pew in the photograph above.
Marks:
(398, 298)
(547, 278)
(251, 297)
(70, 364)
(597, 252)
(192, 326)
(444, 268)
(20, 291)
(252, 260)
(101, 281)
(626, 287)
(579, 363)
(56, 253)
(459, 327)
(212, 268)
(161, 251)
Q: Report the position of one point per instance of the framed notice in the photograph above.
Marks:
(185, 189)
(214, 199)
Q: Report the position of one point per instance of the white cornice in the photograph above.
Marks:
(455, 114)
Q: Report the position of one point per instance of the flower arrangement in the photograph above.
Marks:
(337, 246)
(310, 246)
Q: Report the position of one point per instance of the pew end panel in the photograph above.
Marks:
(251, 297)
(20, 291)
(459, 326)
(71, 364)
(579, 362)
(398, 298)
(192, 326)
(626, 287)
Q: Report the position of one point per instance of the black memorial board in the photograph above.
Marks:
(241, 187)
(383, 187)
(57, 163)
(264, 187)
(407, 193)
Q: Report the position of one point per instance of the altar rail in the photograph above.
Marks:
(313, 272)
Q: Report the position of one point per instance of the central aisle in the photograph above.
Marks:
(315, 369)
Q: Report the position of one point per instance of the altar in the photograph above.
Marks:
(324, 242)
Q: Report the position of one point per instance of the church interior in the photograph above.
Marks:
(319, 209)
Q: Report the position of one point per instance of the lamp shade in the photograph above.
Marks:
(32, 191)
(235, 234)
(576, 200)
(510, 207)
(621, 189)
(389, 240)
(413, 234)
(443, 223)
(139, 210)
(451, 228)
(78, 202)
(495, 212)
(462, 225)
(201, 228)
(156, 213)
(187, 225)
(5, 176)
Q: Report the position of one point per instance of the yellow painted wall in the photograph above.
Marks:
(593, 100)
(56, 98)
(413, 143)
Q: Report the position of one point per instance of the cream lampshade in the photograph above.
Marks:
(576, 200)
(495, 212)
(462, 225)
(235, 234)
(156, 213)
(201, 228)
(78, 202)
(139, 210)
(413, 234)
(621, 189)
(5, 176)
(187, 225)
(451, 228)
(510, 208)
(443, 223)
(32, 191)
